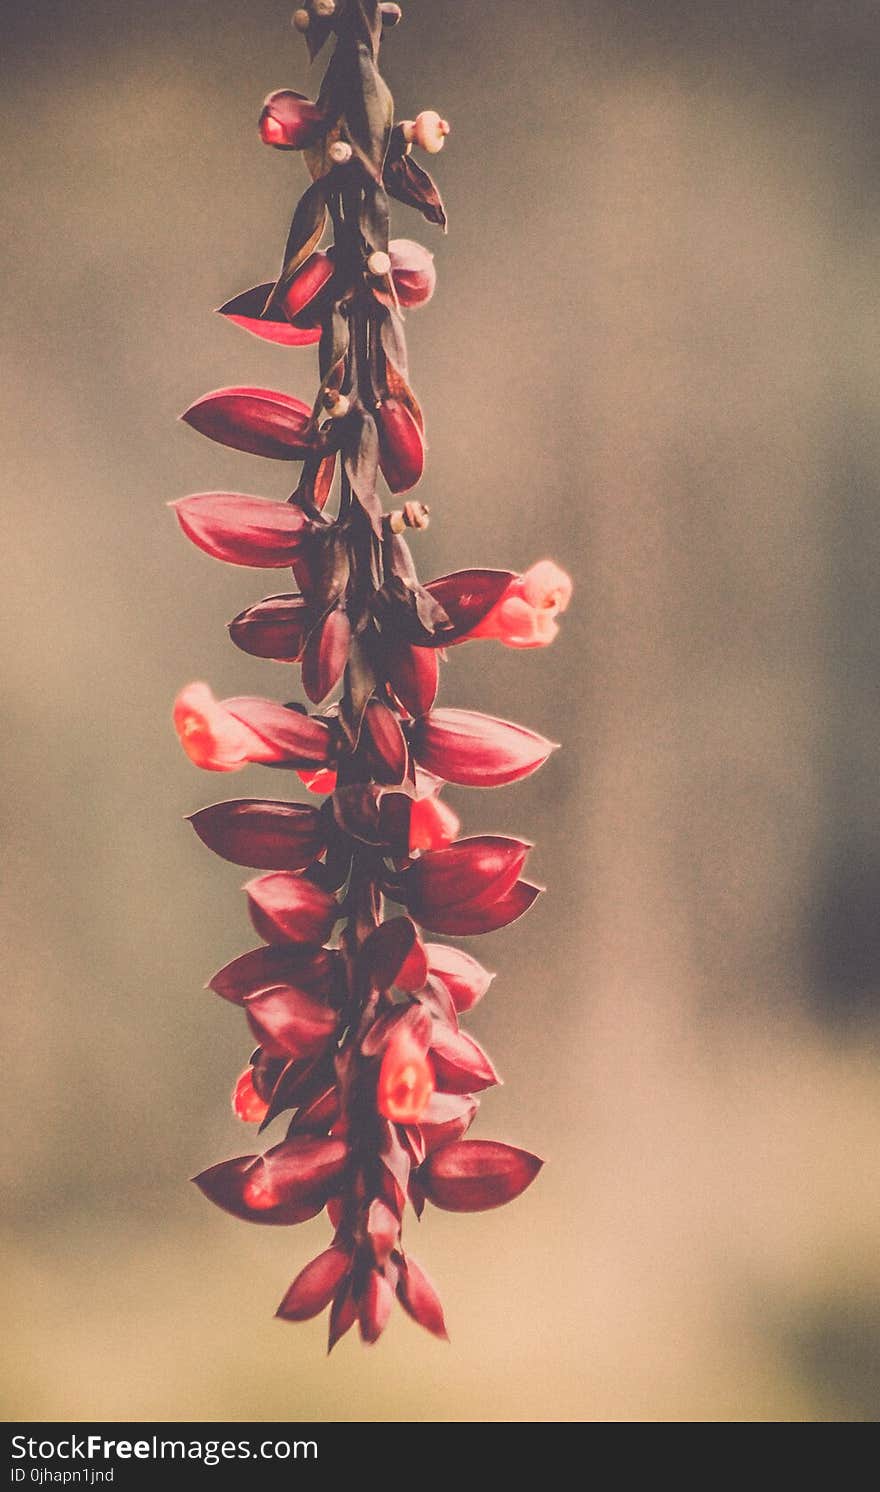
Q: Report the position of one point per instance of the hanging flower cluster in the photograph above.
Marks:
(356, 1015)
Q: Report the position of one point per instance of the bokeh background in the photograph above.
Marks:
(653, 354)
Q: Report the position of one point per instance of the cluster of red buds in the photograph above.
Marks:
(355, 1014)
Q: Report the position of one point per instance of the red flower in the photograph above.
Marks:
(246, 1101)
(289, 120)
(525, 617)
(406, 1080)
(224, 735)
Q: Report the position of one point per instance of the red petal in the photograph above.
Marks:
(315, 1286)
(242, 530)
(287, 1023)
(473, 873)
(413, 674)
(419, 1298)
(303, 740)
(375, 1308)
(393, 955)
(263, 834)
(467, 596)
(286, 1185)
(474, 1175)
(466, 980)
(386, 743)
(245, 310)
(464, 921)
(460, 1064)
(326, 655)
(383, 1228)
(263, 968)
(261, 421)
(401, 446)
(308, 281)
(275, 628)
(474, 750)
(343, 1315)
(287, 907)
(447, 1117)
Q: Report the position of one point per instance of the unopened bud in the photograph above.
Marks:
(391, 14)
(340, 152)
(324, 8)
(379, 263)
(429, 131)
(412, 515)
(337, 405)
(301, 20)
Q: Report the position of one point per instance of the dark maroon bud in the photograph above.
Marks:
(419, 1298)
(473, 873)
(386, 743)
(343, 1314)
(289, 121)
(262, 834)
(312, 970)
(288, 1023)
(413, 673)
(460, 1064)
(401, 446)
(465, 921)
(315, 1286)
(326, 655)
(251, 531)
(476, 750)
(288, 1184)
(394, 955)
(447, 1117)
(474, 1175)
(289, 908)
(260, 421)
(318, 1116)
(375, 1306)
(466, 980)
(276, 628)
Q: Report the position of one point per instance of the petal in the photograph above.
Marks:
(260, 421)
(246, 311)
(394, 955)
(311, 970)
(447, 1117)
(474, 872)
(293, 736)
(326, 655)
(276, 628)
(386, 743)
(289, 908)
(288, 1184)
(467, 921)
(466, 980)
(467, 596)
(287, 1023)
(413, 673)
(460, 1064)
(315, 1286)
(263, 834)
(375, 1307)
(419, 1298)
(242, 530)
(474, 1175)
(475, 750)
(401, 446)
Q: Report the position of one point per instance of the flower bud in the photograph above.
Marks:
(379, 263)
(406, 1080)
(413, 272)
(337, 405)
(392, 15)
(340, 152)
(324, 8)
(289, 120)
(211, 737)
(525, 616)
(301, 19)
(427, 130)
(432, 824)
(246, 1101)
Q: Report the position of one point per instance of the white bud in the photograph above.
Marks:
(379, 263)
(324, 8)
(430, 131)
(340, 152)
(337, 405)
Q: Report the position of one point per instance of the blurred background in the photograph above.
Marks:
(652, 355)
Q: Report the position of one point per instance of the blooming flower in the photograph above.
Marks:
(525, 617)
(406, 1080)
